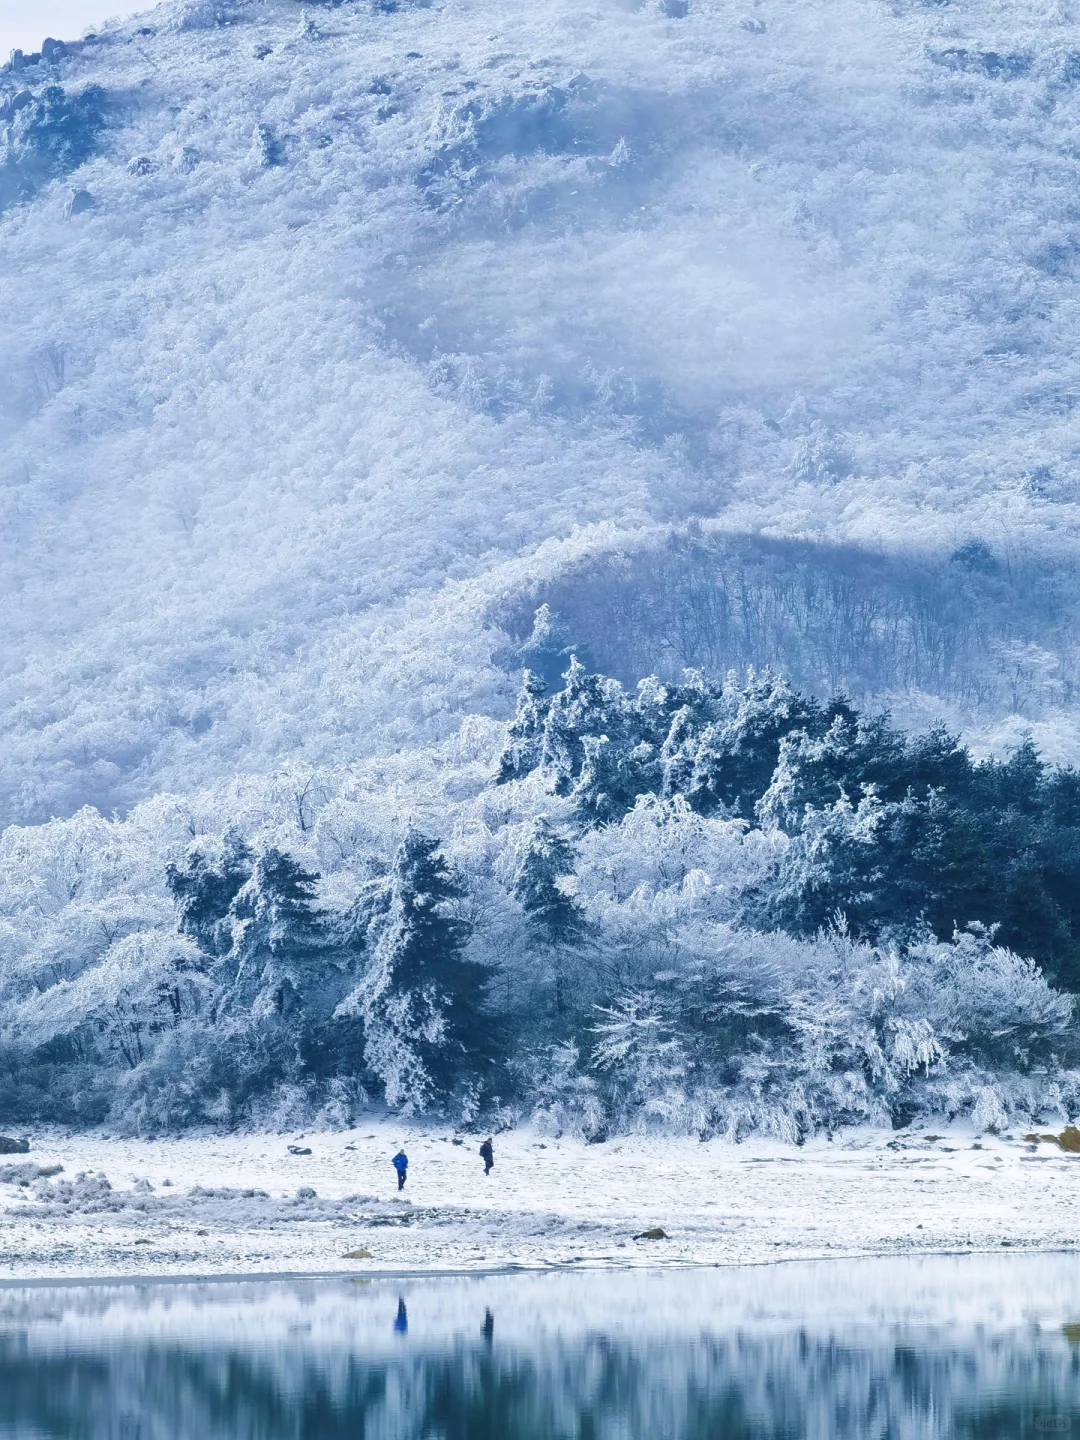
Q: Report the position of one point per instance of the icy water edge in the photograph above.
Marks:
(979, 1346)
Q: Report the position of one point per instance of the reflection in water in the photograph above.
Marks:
(963, 1347)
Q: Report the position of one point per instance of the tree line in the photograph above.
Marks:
(716, 905)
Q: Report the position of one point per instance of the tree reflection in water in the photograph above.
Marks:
(322, 1361)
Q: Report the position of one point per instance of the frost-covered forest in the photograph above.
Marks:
(709, 364)
(714, 906)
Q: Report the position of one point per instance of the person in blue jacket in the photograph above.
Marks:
(400, 1163)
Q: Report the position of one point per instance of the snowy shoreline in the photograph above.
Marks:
(499, 1272)
(242, 1207)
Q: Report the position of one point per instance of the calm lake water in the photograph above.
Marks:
(963, 1346)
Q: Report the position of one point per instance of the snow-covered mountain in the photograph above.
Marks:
(356, 356)
(335, 338)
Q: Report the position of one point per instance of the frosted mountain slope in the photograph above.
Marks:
(371, 301)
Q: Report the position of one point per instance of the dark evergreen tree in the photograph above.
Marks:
(277, 965)
(588, 707)
(612, 776)
(588, 737)
(723, 756)
(934, 761)
(545, 858)
(525, 733)
(975, 557)
(855, 756)
(204, 889)
(48, 136)
(557, 924)
(428, 1034)
(832, 870)
(1057, 843)
(1018, 783)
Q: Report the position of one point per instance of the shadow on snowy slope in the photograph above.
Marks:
(990, 636)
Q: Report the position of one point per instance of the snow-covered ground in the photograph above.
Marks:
(234, 1205)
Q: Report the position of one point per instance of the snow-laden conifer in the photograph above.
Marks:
(427, 1034)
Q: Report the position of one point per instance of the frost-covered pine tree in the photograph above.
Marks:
(278, 959)
(204, 887)
(727, 760)
(544, 858)
(556, 923)
(525, 733)
(427, 1034)
(595, 746)
(587, 706)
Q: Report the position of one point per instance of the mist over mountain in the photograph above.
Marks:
(339, 340)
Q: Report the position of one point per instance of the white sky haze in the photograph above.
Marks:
(25, 23)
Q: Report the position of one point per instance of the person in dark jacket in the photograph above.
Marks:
(487, 1154)
(400, 1163)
